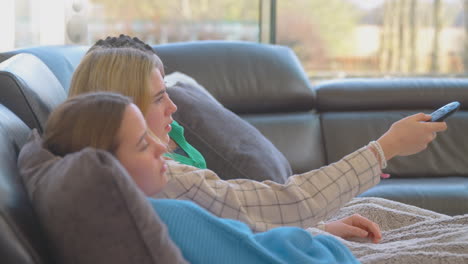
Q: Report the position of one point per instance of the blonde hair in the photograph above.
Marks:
(123, 70)
(87, 120)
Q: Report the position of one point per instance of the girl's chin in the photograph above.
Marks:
(166, 140)
(163, 171)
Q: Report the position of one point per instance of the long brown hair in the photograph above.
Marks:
(87, 120)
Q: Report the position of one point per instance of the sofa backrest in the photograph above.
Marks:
(355, 111)
(264, 84)
(245, 77)
(60, 59)
(21, 239)
(29, 89)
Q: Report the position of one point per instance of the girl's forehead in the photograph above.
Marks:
(132, 121)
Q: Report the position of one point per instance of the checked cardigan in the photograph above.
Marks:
(303, 200)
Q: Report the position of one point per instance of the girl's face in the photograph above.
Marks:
(140, 152)
(159, 113)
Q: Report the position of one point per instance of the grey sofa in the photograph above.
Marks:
(312, 125)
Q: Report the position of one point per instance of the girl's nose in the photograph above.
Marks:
(159, 147)
(171, 107)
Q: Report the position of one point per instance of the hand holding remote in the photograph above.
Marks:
(445, 111)
(410, 135)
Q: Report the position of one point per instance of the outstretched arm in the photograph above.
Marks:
(303, 201)
(307, 198)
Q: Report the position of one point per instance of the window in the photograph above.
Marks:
(332, 38)
(336, 38)
(162, 21)
(154, 21)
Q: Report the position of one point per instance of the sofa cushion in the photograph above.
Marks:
(360, 107)
(21, 236)
(232, 147)
(445, 195)
(91, 209)
(444, 157)
(297, 135)
(175, 77)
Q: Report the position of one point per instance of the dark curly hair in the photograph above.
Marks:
(122, 41)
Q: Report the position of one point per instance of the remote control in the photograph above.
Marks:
(445, 111)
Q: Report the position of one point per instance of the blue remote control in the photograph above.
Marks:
(445, 111)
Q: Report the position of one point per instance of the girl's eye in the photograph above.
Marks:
(145, 146)
(159, 99)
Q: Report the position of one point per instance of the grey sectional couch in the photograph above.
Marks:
(311, 124)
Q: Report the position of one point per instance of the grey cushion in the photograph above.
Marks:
(232, 147)
(91, 209)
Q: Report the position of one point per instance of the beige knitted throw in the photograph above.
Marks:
(409, 234)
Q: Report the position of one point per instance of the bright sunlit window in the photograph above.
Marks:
(162, 21)
(332, 38)
(375, 38)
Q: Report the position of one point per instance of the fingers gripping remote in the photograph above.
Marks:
(445, 111)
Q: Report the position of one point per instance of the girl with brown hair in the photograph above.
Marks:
(111, 122)
(304, 200)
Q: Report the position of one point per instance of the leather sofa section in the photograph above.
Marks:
(62, 60)
(390, 94)
(446, 156)
(29, 89)
(22, 240)
(297, 135)
(446, 195)
(12, 97)
(245, 77)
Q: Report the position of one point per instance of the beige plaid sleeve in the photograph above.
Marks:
(302, 201)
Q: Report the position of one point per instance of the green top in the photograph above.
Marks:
(194, 157)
